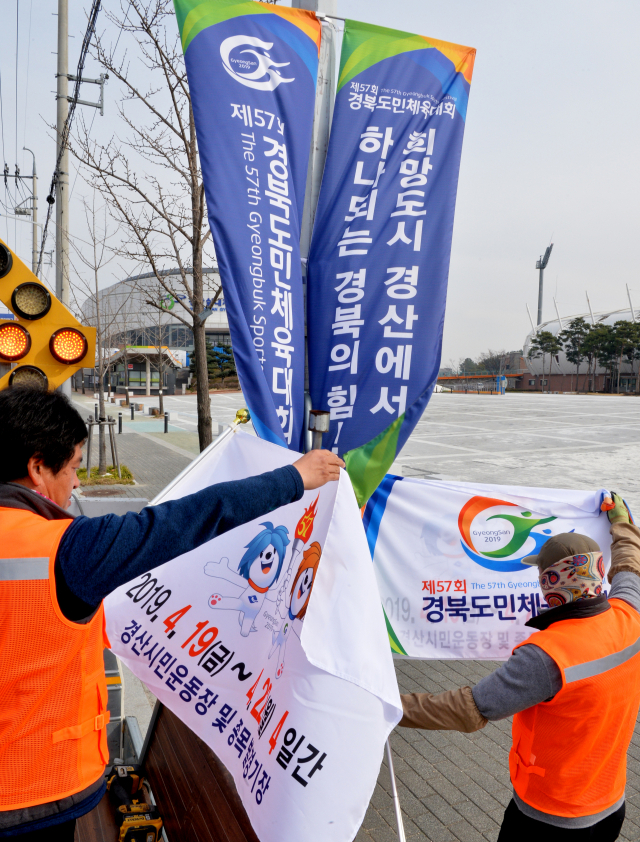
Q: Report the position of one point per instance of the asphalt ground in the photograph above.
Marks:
(451, 786)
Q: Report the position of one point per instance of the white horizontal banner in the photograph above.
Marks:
(448, 560)
(269, 642)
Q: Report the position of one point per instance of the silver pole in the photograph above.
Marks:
(557, 313)
(323, 112)
(540, 284)
(395, 796)
(593, 321)
(89, 438)
(533, 327)
(633, 315)
(325, 95)
(62, 187)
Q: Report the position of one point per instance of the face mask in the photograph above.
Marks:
(573, 578)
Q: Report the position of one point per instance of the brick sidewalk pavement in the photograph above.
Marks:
(152, 463)
(456, 786)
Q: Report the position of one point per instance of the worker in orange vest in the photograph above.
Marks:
(573, 689)
(54, 573)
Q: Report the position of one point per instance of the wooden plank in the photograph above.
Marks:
(195, 794)
(99, 825)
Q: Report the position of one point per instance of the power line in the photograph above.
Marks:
(86, 41)
(15, 186)
(4, 157)
(17, 53)
(26, 90)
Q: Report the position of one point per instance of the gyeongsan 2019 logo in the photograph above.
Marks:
(497, 535)
(250, 67)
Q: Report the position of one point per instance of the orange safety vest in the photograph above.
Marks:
(53, 692)
(569, 755)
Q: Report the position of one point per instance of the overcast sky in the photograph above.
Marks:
(551, 148)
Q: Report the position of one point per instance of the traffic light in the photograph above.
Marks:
(45, 344)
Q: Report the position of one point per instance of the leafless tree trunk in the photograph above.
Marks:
(98, 256)
(164, 214)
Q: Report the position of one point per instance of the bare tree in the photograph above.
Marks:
(162, 216)
(103, 315)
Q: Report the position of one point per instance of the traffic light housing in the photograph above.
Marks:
(45, 343)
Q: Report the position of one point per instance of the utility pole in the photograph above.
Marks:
(23, 210)
(34, 214)
(541, 265)
(62, 186)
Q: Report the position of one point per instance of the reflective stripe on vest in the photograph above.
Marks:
(23, 569)
(53, 708)
(600, 665)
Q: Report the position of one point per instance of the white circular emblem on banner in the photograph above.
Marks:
(250, 67)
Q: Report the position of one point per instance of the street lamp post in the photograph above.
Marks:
(541, 265)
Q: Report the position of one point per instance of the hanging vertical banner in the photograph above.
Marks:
(379, 259)
(252, 71)
(461, 589)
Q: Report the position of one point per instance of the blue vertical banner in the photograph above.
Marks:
(252, 70)
(379, 259)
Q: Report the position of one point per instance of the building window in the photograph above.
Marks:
(532, 382)
(544, 382)
(218, 339)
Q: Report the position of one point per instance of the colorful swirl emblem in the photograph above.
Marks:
(502, 560)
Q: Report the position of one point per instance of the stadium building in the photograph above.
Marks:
(153, 344)
(563, 373)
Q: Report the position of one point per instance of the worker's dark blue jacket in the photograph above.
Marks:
(97, 555)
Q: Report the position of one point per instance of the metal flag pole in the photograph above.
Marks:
(319, 424)
(395, 796)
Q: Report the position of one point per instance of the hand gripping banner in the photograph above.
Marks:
(461, 590)
(379, 257)
(269, 642)
(252, 71)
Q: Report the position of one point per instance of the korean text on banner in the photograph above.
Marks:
(379, 259)
(252, 71)
(461, 590)
(269, 642)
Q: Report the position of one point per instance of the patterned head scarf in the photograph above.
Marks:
(572, 579)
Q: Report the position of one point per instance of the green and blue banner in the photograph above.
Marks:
(379, 260)
(450, 563)
(252, 71)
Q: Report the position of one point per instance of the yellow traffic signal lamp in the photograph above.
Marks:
(45, 343)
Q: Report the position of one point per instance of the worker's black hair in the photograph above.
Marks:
(37, 423)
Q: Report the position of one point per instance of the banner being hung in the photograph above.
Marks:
(273, 650)
(462, 590)
(252, 71)
(379, 257)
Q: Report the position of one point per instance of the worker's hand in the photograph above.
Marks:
(317, 467)
(619, 513)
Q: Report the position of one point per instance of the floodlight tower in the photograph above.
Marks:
(541, 265)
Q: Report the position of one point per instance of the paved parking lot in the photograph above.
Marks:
(456, 786)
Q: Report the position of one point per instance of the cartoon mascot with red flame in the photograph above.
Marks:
(291, 605)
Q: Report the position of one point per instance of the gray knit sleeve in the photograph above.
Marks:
(626, 586)
(529, 677)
